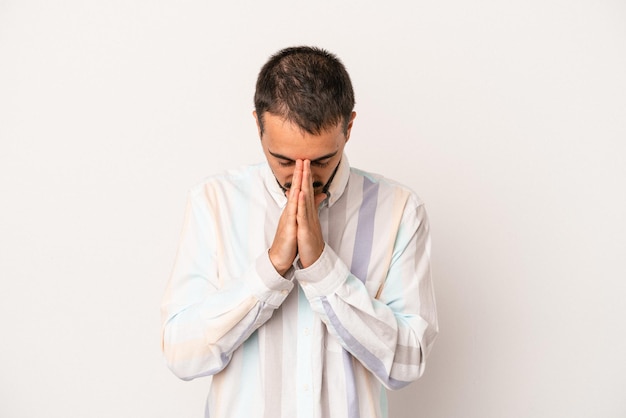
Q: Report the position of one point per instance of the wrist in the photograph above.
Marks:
(281, 268)
(312, 257)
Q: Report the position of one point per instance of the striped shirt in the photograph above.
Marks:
(323, 341)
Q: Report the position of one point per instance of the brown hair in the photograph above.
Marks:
(307, 86)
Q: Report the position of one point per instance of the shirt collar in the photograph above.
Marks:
(336, 189)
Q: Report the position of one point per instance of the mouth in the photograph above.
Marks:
(316, 185)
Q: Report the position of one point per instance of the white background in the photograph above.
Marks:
(508, 118)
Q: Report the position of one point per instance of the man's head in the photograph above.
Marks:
(304, 105)
(307, 86)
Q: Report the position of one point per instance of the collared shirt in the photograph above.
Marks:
(323, 341)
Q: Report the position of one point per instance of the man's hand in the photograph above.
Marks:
(299, 230)
(284, 249)
(309, 232)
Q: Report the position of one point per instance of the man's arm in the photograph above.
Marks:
(392, 333)
(205, 317)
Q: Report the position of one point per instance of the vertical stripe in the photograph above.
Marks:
(304, 371)
(273, 365)
(337, 222)
(272, 214)
(325, 395)
(373, 363)
(236, 216)
(365, 230)
(273, 331)
(383, 403)
(352, 396)
(249, 367)
(317, 357)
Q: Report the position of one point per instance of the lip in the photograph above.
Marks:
(316, 185)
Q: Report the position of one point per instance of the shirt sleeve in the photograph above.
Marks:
(205, 316)
(392, 333)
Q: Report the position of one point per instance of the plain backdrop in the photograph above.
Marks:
(508, 119)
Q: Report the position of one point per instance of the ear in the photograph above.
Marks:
(258, 124)
(349, 126)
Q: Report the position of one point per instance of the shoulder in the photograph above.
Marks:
(231, 182)
(386, 188)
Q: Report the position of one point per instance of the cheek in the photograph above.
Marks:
(320, 179)
(283, 174)
(321, 174)
(318, 174)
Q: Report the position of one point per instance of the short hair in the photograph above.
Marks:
(307, 86)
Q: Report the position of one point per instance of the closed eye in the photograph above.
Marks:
(319, 164)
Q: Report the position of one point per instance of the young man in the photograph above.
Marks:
(302, 285)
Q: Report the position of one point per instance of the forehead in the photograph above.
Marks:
(285, 138)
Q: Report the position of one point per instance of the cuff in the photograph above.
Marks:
(324, 276)
(266, 284)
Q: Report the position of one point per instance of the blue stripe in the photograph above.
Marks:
(365, 230)
(351, 392)
(248, 395)
(368, 359)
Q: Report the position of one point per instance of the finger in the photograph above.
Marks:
(296, 180)
(306, 177)
(308, 182)
(312, 198)
(309, 235)
(292, 203)
(302, 208)
(294, 190)
(307, 210)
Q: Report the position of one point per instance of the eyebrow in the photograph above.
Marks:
(317, 160)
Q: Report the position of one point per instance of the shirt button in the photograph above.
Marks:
(284, 291)
(306, 388)
(307, 332)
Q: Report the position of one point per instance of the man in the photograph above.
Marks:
(301, 285)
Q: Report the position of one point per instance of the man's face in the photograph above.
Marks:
(283, 143)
